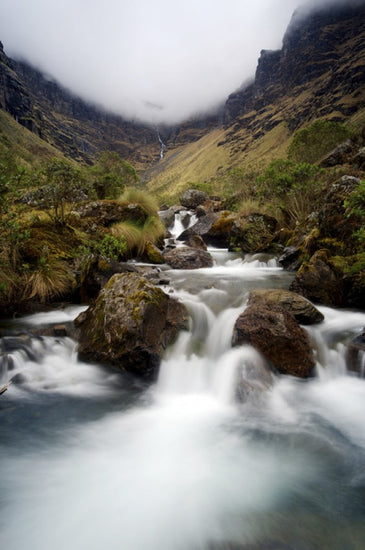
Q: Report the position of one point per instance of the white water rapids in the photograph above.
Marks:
(91, 460)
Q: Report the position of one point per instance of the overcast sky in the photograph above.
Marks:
(157, 60)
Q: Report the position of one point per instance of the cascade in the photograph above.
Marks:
(92, 459)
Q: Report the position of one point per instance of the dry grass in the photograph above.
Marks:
(51, 280)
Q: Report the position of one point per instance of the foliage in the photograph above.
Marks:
(314, 142)
(295, 188)
(355, 206)
(111, 174)
(65, 185)
(51, 279)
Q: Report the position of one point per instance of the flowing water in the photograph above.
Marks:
(92, 459)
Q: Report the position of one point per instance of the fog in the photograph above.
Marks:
(154, 60)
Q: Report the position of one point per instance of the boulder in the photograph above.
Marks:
(152, 254)
(108, 212)
(192, 198)
(274, 332)
(355, 355)
(219, 233)
(319, 281)
(195, 241)
(186, 257)
(167, 217)
(301, 308)
(340, 155)
(201, 227)
(96, 272)
(253, 233)
(130, 325)
(291, 258)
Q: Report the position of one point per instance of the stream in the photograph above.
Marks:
(93, 459)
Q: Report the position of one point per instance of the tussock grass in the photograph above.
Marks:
(136, 196)
(50, 280)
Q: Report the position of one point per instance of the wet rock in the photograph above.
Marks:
(96, 272)
(276, 334)
(192, 198)
(195, 241)
(253, 233)
(167, 217)
(201, 227)
(152, 254)
(301, 308)
(319, 281)
(186, 257)
(290, 258)
(130, 325)
(355, 355)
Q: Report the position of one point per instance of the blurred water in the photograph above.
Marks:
(92, 459)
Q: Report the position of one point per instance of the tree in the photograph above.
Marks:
(111, 174)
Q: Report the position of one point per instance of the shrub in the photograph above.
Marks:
(314, 142)
(111, 174)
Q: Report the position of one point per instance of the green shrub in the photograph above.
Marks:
(314, 142)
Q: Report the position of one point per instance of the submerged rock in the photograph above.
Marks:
(186, 257)
(130, 325)
(301, 308)
(274, 332)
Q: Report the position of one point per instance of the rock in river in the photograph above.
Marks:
(130, 325)
(274, 332)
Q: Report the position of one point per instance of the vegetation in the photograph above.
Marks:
(314, 142)
(111, 174)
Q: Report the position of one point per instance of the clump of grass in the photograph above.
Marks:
(50, 280)
(128, 231)
(142, 198)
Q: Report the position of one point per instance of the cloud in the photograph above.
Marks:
(156, 60)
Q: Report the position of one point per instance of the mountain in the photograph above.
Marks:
(318, 73)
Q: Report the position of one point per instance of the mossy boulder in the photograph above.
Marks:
(302, 309)
(186, 257)
(108, 212)
(253, 233)
(96, 272)
(320, 281)
(191, 198)
(152, 254)
(130, 325)
(275, 333)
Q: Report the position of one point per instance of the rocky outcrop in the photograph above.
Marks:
(320, 281)
(302, 309)
(186, 257)
(130, 325)
(274, 332)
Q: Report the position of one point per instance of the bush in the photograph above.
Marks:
(111, 174)
(312, 143)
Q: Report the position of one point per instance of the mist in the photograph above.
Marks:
(158, 61)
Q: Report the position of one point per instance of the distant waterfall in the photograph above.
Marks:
(162, 144)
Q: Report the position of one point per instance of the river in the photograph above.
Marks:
(92, 459)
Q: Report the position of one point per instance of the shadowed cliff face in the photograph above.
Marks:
(322, 58)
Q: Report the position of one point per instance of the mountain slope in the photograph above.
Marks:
(318, 73)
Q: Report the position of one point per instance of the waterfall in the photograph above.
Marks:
(220, 453)
(162, 144)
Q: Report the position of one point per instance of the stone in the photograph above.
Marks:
(253, 233)
(301, 308)
(319, 281)
(186, 257)
(96, 272)
(130, 325)
(290, 258)
(340, 155)
(195, 241)
(201, 227)
(192, 198)
(274, 332)
(355, 355)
